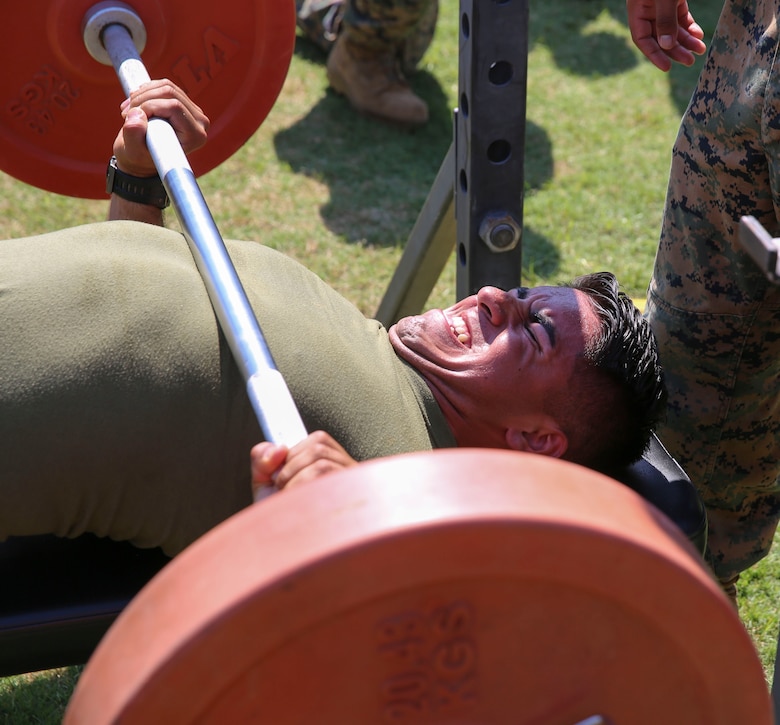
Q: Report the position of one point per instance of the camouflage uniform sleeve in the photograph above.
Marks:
(714, 313)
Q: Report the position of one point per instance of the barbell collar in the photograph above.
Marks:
(105, 14)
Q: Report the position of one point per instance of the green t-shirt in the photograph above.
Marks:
(122, 411)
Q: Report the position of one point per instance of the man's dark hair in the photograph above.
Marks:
(618, 396)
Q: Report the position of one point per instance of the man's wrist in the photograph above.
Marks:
(147, 190)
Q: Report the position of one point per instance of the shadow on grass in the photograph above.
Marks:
(562, 26)
(378, 174)
(539, 252)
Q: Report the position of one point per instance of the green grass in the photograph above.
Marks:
(37, 698)
(340, 193)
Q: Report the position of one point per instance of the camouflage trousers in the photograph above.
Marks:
(716, 316)
(404, 28)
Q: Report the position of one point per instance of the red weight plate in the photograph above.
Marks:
(455, 586)
(60, 107)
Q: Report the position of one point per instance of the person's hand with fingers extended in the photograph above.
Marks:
(665, 31)
(157, 99)
(274, 466)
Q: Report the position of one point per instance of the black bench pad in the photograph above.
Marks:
(61, 595)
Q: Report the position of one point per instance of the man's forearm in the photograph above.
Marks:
(122, 209)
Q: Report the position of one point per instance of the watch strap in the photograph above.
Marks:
(147, 190)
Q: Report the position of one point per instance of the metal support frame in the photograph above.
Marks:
(482, 177)
(761, 246)
(490, 143)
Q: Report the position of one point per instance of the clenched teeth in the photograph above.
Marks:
(460, 330)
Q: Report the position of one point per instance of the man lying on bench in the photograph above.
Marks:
(123, 413)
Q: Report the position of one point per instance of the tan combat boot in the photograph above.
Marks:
(374, 84)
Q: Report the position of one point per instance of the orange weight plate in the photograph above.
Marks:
(455, 586)
(60, 107)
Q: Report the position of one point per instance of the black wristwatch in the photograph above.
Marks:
(140, 189)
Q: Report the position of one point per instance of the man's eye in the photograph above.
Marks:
(548, 329)
(533, 318)
(538, 318)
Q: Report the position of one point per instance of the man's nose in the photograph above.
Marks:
(492, 301)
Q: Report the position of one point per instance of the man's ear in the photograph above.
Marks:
(547, 440)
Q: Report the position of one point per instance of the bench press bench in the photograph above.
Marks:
(61, 595)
